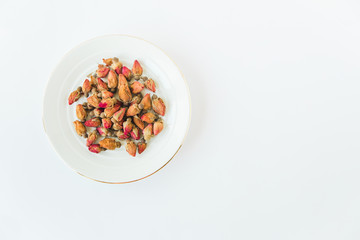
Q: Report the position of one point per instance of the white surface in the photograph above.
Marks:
(273, 148)
(115, 166)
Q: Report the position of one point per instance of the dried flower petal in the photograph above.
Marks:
(92, 138)
(98, 111)
(79, 128)
(93, 81)
(93, 122)
(131, 147)
(136, 99)
(109, 143)
(127, 126)
(147, 132)
(135, 133)
(126, 72)
(86, 87)
(119, 115)
(108, 102)
(101, 85)
(93, 101)
(136, 87)
(116, 65)
(112, 79)
(108, 61)
(146, 102)
(158, 127)
(124, 93)
(134, 109)
(95, 148)
(111, 110)
(138, 122)
(106, 122)
(137, 69)
(106, 94)
(122, 80)
(121, 135)
(158, 105)
(80, 112)
(74, 96)
(102, 71)
(102, 131)
(117, 126)
(148, 117)
(150, 84)
(141, 147)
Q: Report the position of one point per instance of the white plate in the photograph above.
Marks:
(115, 166)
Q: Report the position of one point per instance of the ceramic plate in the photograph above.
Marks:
(115, 166)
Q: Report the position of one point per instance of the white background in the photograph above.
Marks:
(273, 146)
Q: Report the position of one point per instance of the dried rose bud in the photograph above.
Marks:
(102, 71)
(109, 143)
(117, 126)
(106, 122)
(150, 84)
(111, 110)
(131, 147)
(112, 79)
(147, 132)
(148, 117)
(134, 109)
(108, 61)
(119, 115)
(102, 131)
(158, 105)
(127, 126)
(141, 147)
(80, 112)
(101, 85)
(136, 87)
(108, 102)
(135, 133)
(124, 93)
(121, 135)
(93, 122)
(136, 99)
(95, 148)
(146, 102)
(138, 122)
(98, 111)
(126, 72)
(74, 96)
(93, 101)
(116, 65)
(106, 94)
(117, 70)
(79, 128)
(137, 69)
(86, 87)
(122, 80)
(92, 138)
(93, 81)
(158, 127)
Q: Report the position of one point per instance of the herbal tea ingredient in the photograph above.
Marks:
(117, 108)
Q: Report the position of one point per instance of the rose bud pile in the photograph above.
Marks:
(117, 109)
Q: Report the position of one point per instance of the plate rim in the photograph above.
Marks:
(117, 35)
